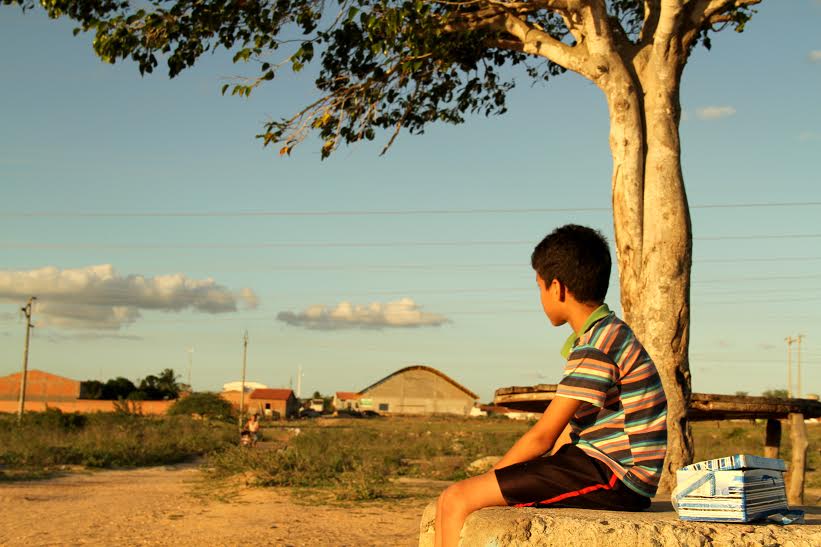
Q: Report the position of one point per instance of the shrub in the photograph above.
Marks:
(205, 404)
(54, 418)
(357, 458)
(45, 440)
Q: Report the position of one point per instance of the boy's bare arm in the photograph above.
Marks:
(541, 437)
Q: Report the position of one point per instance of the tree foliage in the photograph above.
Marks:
(111, 390)
(157, 388)
(205, 404)
(151, 388)
(393, 65)
(382, 64)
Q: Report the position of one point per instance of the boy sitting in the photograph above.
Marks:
(611, 394)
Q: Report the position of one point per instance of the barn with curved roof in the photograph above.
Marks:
(417, 389)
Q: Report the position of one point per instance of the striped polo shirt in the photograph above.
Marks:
(622, 420)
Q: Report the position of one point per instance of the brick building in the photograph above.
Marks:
(45, 390)
(266, 402)
(40, 386)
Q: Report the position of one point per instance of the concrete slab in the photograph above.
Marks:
(657, 527)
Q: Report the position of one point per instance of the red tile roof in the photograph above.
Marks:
(275, 394)
(347, 395)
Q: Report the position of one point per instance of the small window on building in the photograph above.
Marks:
(267, 406)
(383, 407)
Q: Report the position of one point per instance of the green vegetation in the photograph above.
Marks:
(357, 458)
(775, 393)
(151, 388)
(719, 439)
(204, 404)
(339, 459)
(360, 459)
(47, 441)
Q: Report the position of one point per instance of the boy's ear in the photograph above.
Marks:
(562, 290)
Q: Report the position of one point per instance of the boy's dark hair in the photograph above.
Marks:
(578, 257)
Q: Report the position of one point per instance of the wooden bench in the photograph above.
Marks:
(709, 407)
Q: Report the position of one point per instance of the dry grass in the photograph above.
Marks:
(51, 441)
(361, 459)
(718, 439)
(333, 459)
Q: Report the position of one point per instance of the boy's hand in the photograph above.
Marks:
(540, 438)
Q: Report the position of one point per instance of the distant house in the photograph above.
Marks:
(346, 400)
(495, 410)
(268, 401)
(232, 392)
(237, 386)
(40, 386)
(417, 389)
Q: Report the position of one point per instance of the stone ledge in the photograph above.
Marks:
(659, 527)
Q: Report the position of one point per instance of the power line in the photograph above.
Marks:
(763, 301)
(343, 244)
(274, 245)
(445, 266)
(769, 259)
(754, 278)
(763, 236)
(374, 212)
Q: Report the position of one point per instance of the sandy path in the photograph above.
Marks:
(175, 506)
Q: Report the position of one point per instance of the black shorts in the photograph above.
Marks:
(569, 478)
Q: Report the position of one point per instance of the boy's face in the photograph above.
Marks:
(552, 302)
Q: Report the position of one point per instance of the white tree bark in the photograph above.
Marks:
(650, 211)
(640, 79)
(653, 233)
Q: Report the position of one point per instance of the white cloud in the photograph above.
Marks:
(806, 136)
(376, 315)
(98, 297)
(815, 56)
(715, 112)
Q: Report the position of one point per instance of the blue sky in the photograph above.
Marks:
(79, 138)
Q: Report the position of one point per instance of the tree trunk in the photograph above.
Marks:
(653, 234)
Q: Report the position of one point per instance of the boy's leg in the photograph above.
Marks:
(461, 499)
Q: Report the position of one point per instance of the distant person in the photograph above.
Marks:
(610, 393)
(253, 428)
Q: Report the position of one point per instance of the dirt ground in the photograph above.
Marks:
(176, 506)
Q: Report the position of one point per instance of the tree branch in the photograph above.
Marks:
(537, 42)
(669, 23)
(705, 12)
(651, 21)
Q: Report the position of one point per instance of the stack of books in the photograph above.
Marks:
(739, 488)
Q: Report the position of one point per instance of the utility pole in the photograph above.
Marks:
(790, 341)
(190, 365)
(23, 377)
(798, 362)
(789, 366)
(242, 391)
